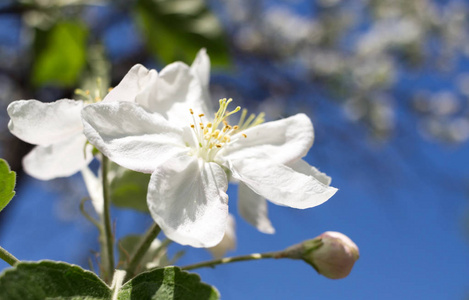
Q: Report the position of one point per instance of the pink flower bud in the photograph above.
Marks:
(331, 254)
(335, 257)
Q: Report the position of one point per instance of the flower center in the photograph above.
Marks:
(211, 137)
(90, 97)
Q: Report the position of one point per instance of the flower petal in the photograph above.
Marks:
(303, 167)
(280, 183)
(253, 208)
(170, 93)
(134, 82)
(228, 242)
(131, 136)
(201, 67)
(61, 159)
(187, 198)
(95, 189)
(42, 123)
(176, 92)
(284, 140)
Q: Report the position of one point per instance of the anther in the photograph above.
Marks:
(201, 115)
(218, 145)
(192, 112)
(243, 134)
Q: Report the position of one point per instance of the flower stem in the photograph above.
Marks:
(8, 257)
(226, 260)
(117, 283)
(141, 249)
(87, 216)
(108, 245)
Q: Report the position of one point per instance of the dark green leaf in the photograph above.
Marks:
(167, 283)
(177, 29)
(51, 280)
(128, 188)
(7, 184)
(60, 54)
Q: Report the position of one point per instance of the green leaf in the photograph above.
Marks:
(7, 184)
(60, 54)
(128, 188)
(167, 283)
(178, 29)
(48, 279)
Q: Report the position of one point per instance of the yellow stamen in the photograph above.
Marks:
(243, 116)
(214, 135)
(259, 119)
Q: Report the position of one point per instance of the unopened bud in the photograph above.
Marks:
(331, 254)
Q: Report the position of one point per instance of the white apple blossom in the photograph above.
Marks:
(179, 87)
(57, 130)
(189, 155)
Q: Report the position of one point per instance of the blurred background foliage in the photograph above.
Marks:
(386, 82)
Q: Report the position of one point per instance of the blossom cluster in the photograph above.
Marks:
(162, 123)
(367, 48)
